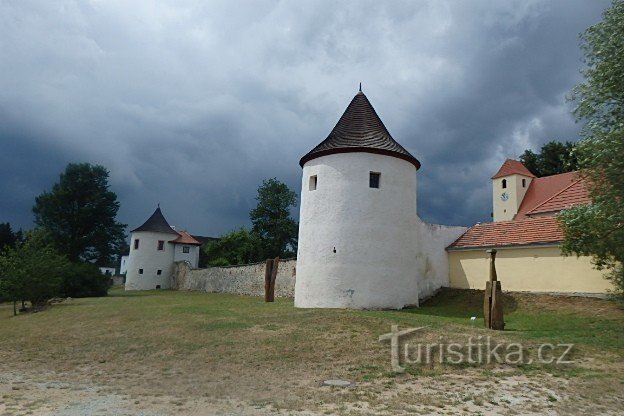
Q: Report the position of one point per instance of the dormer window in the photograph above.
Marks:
(504, 183)
(373, 180)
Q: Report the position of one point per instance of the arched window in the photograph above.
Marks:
(524, 183)
(504, 183)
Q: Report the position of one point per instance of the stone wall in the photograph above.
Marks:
(243, 280)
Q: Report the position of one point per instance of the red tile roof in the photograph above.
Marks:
(541, 230)
(513, 167)
(185, 238)
(542, 190)
(574, 194)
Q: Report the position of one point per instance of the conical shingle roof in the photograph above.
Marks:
(360, 130)
(156, 223)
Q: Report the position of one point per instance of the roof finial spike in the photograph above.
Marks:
(360, 87)
(158, 205)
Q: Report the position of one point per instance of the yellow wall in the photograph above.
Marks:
(534, 269)
(506, 210)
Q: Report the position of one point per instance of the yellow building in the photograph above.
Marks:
(526, 235)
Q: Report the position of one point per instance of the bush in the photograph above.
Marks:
(84, 280)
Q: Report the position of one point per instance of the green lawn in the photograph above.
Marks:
(219, 345)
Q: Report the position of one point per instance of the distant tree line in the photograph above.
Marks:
(553, 158)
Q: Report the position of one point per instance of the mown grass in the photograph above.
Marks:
(227, 344)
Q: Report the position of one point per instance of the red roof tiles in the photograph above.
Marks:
(544, 189)
(574, 194)
(528, 231)
(513, 167)
(185, 238)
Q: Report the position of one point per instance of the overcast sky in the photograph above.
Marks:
(193, 103)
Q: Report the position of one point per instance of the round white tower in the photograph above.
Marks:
(357, 229)
(150, 262)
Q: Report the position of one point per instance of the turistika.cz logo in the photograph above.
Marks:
(480, 350)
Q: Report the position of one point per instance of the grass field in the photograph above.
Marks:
(157, 352)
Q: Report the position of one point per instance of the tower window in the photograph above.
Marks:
(313, 181)
(186, 249)
(524, 183)
(504, 183)
(140, 271)
(136, 243)
(159, 272)
(373, 180)
(161, 245)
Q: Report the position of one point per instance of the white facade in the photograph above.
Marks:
(363, 247)
(149, 267)
(357, 246)
(186, 253)
(123, 265)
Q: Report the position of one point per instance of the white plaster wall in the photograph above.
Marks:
(150, 259)
(192, 256)
(123, 267)
(433, 261)
(372, 230)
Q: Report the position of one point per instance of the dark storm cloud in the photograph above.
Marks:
(193, 104)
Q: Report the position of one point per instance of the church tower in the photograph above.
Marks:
(509, 186)
(358, 221)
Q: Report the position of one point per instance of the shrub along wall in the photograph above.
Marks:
(243, 280)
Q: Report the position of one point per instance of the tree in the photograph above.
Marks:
(33, 271)
(79, 214)
(8, 238)
(598, 229)
(272, 221)
(237, 247)
(554, 158)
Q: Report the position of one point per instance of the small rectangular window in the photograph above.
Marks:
(186, 249)
(140, 271)
(374, 179)
(313, 182)
(159, 272)
(524, 183)
(161, 245)
(136, 244)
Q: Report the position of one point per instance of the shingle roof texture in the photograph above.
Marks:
(360, 130)
(156, 223)
(574, 194)
(528, 231)
(513, 167)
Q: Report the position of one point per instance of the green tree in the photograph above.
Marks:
(79, 215)
(272, 221)
(9, 238)
(237, 247)
(554, 158)
(33, 271)
(598, 229)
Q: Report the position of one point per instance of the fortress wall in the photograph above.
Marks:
(433, 261)
(242, 280)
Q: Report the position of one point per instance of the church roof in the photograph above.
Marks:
(185, 238)
(513, 167)
(360, 130)
(553, 193)
(156, 223)
(529, 231)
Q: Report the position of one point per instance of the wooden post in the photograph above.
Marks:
(493, 298)
(268, 271)
(270, 275)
